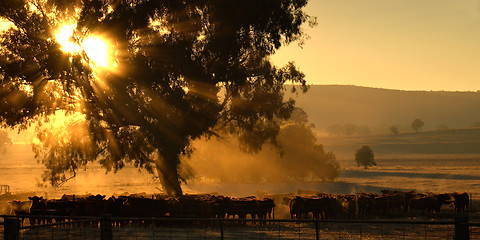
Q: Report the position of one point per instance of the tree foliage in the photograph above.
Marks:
(365, 157)
(417, 124)
(183, 69)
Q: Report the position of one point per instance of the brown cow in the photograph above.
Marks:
(20, 208)
(366, 205)
(461, 201)
(297, 208)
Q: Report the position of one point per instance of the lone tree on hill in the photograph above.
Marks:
(135, 81)
(417, 124)
(365, 157)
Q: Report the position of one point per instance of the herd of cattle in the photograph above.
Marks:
(317, 206)
(140, 206)
(368, 205)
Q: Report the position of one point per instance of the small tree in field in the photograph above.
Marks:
(417, 124)
(365, 157)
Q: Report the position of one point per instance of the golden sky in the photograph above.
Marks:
(397, 44)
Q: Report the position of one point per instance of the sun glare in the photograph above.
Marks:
(64, 37)
(97, 49)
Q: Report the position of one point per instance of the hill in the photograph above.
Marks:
(379, 109)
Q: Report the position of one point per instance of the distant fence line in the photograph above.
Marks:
(105, 228)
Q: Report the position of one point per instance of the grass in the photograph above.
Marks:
(451, 143)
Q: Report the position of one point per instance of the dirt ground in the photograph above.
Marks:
(258, 231)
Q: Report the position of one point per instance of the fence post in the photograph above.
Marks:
(11, 228)
(221, 229)
(316, 231)
(106, 230)
(462, 231)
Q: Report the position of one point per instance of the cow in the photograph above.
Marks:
(38, 210)
(461, 202)
(20, 208)
(242, 207)
(297, 208)
(265, 208)
(366, 205)
(348, 205)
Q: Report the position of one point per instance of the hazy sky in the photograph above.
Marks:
(398, 44)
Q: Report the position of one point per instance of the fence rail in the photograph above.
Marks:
(108, 228)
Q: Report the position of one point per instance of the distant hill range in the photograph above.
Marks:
(379, 109)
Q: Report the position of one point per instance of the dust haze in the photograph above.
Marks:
(297, 156)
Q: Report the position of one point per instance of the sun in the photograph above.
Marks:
(98, 50)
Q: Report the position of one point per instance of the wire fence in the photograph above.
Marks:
(108, 228)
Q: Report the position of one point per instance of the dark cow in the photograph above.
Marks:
(20, 208)
(297, 208)
(461, 201)
(38, 210)
(242, 207)
(366, 205)
(348, 205)
(265, 208)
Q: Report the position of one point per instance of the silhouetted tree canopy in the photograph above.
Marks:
(183, 69)
(365, 157)
(417, 124)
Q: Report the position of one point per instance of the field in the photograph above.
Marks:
(430, 168)
(399, 166)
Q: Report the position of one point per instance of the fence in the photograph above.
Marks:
(108, 228)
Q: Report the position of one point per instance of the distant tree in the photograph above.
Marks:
(417, 124)
(394, 130)
(4, 141)
(443, 127)
(362, 130)
(336, 130)
(476, 125)
(350, 129)
(365, 157)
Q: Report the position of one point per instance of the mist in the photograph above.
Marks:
(296, 157)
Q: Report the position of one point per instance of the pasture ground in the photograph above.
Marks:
(258, 231)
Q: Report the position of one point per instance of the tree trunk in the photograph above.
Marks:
(168, 175)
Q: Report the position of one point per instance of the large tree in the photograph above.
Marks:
(139, 80)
